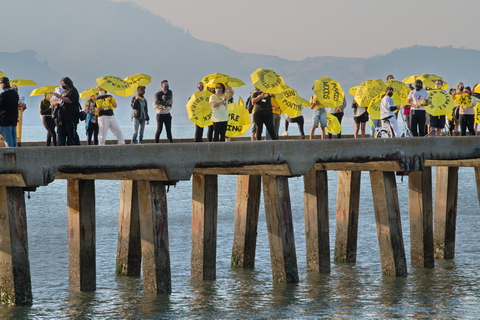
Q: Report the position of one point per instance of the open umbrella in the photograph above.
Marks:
(137, 80)
(333, 125)
(290, 102)
(374, 107)
(268, 81)
(462, 100)
(199, 109)
(3, 74)
(441, 103)
(115, 85)
(238, 119)
(369, 90)
(353, 90)
(42, 90)
(22, 82)
(89, 92)
(400, 92)
(210, 77)
(427, 79)
(232, 82)
(329, 92)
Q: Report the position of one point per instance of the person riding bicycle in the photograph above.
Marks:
(387, 115)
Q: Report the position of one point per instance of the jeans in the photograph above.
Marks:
(68, 129)
(109, 122)
(319, 117)
(165, 118)
(9, 134)
(92, 131)
(136, 132)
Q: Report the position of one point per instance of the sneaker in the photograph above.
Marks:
(285, 133)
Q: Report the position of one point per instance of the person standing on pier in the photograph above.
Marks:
(418, 99)
(437, 123)
(91, 121)
(262, 113)
(387, 111)
(163, 102)
(319, 117)
(467, 114)
(105, 104)
(198, 129)
(337, 112)
(8, 113)
(219, 103)
(68, 108)
(47, 119)
(139, 115)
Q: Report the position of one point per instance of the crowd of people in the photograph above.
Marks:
(61, 113)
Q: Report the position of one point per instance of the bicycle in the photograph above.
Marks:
(384, 131)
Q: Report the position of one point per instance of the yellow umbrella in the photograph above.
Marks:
(238, 119)
(235, 82)
(3, 74)
(477, 114)
(89, 92)
(400, 92)
(427, 79)
(138, 79)
(369, 90)
(23, 82)
(232, 82)
(374, 107)
(476, 88)
(290, 102)
(353, 90)
(441, 103)
(462, 99)
(212, 76)
(199, 109)
(333, 125)
(329, 92)
(268, 81)
(115, 85)
(42, 90)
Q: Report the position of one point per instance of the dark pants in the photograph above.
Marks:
(466, 122)
(219, 130)
(92, 131)
(339, 116)
(68, 129)
(167, 120)
(264, 117)
(300, 122)
(199, 133)
(417, 125)
(49, 124)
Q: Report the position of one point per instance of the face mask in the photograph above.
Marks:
(438, 86)
(200, 88)
(64, 87)
(461, 88)
(418, 87)
(166, 87)
(218, 90)
(390, 94)
(101, 93)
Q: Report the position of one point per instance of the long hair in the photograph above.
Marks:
(223, 87)
(68, 82)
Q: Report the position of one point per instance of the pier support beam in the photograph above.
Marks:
(348, 203)
(15, 281)
(129, 256)
(81, 235)
(477, 179)
(152, 198)
(246, 221)
(317, 237)
(389, 226)
(421, 218)
(280, 229)
(445, 212)
(204, 226)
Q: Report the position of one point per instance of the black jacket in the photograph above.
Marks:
(9, 108)
(136, 109)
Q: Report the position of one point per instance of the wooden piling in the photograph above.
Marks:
(389, 226)
(81, 235)
(204, 226)
(317, 236)
(129, 255)
(445, 212)
(246, 221)
(421, 218)
(152, 199)
(477, 179)
(15, 281)
(280, 229)
(348, 204)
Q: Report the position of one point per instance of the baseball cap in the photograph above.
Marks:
(4, 80)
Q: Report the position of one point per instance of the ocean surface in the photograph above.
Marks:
(451, 290)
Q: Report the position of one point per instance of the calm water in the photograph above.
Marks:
(449, 291)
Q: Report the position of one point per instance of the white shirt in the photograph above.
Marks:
(385, 105)
(468, 110)
(417, 97)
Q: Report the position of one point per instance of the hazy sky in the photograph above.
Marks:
(307, 28)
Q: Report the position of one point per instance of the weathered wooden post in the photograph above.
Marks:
(204, 226)
(421, 218)
(445, 212)
(129, 255)
(152, 199)
(81, 235)
(246, 221)
(389, 226)
(477, 179)
(15, 281)
(317, 237)
(280, 228)
(348, 203)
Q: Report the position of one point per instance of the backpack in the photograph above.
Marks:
(249, 105)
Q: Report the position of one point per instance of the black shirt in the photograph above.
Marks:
(264, 104)
(9, 108)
